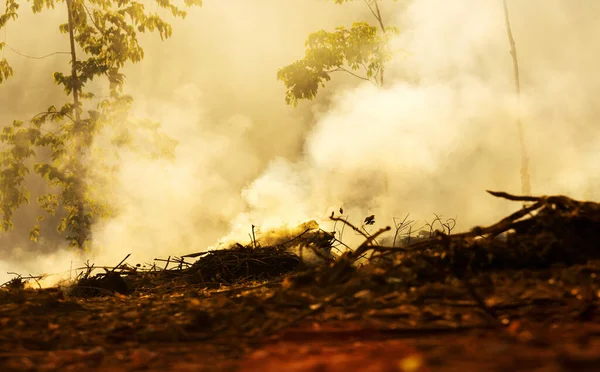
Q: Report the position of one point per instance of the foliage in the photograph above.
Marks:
(56, 144)
(361, 47)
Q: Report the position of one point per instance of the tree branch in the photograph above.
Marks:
(371, 8)
(352, 73)
(525, 180)
(379, 18)
(32, 57)
(92, 19)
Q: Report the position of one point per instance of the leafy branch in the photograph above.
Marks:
(106, 33)
(361, 47)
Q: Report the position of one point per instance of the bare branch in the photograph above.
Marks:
(525, 180)
(341, 69)
(33, 57)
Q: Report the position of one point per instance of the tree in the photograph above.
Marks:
(525, 180)
(105, 32)
(363, 46)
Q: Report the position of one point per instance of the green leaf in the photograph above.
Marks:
(34, 233)
(362, 47)
(5, 70)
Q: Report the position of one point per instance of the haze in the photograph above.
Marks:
(439, 134)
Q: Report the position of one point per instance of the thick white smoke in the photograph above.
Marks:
(439, 133)
(443, 130)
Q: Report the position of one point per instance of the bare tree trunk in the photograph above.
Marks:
(78, 169)
(73, 61)
(525, 180)
(377, 14)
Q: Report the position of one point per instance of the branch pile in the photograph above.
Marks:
(233, 266)
(552, 230)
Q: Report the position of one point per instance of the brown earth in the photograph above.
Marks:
(456, 302)
(185, 329)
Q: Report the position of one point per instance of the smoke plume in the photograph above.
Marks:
(438, 134)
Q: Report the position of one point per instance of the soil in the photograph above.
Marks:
(456, 302)
(546, 326)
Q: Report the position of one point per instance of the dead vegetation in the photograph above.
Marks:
(536, 267)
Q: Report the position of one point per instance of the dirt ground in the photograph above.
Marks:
(454, 302)
(46, 330)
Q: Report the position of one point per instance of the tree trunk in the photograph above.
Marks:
(525, 180)
(80, 233)
(380, 20)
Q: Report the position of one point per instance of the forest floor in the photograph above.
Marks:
(468, 302)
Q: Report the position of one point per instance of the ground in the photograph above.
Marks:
(455, 302)
(547, 327)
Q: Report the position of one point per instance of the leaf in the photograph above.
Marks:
(34, 233)
(5, 70)
(362, 47)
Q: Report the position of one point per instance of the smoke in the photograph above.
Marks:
(212, 86)
(441, 131)
(169, 207)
